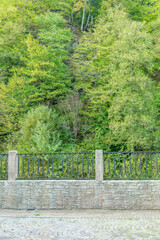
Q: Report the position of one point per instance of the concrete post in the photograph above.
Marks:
(12, 165)
(99, 165)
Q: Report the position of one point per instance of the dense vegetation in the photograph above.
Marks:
(79, 75)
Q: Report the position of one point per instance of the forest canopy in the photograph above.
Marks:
(79, 75)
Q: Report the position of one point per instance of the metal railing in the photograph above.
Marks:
(99, 166)
(3, 166)
(56, 166)
(131, 165)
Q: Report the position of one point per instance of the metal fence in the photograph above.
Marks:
(131, 165)
(116, 165)
(3, 166)
(56, 166)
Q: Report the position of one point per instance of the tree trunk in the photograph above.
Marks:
(72, 16)
(83, 16)
(92, 19)
(87, 20)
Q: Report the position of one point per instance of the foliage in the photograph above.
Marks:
(114, 63)
(139, 10)
(38, 131)
(146, 10)
(42, 74)
(96, 62)
(70, 109)
(86, 11)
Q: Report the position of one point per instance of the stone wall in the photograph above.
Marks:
(61, 194)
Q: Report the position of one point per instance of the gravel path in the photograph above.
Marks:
(79, 225)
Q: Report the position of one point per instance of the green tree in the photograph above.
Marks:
(139, 10)
(42, 76)
(51, 32)
(17, 19)
(85, 12)
(38, 132)
(142, 10)
(114, 64)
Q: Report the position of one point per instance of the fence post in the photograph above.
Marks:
(12, 165)
(99, 165)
